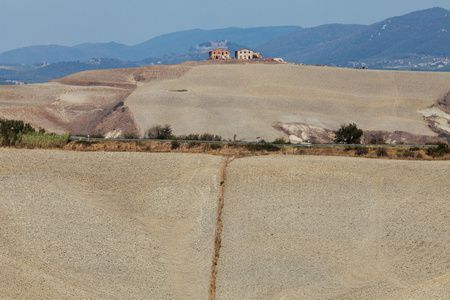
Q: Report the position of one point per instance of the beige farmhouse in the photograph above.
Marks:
(243, 54)
(247, 54)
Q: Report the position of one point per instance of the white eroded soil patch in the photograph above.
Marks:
(440, 118)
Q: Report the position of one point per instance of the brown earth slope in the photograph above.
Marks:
(91, 102)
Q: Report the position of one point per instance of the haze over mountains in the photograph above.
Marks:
(176, 43)
(416, 41)
(421, 33)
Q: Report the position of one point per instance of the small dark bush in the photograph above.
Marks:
(381, 152)
(409, 153)
(97, 136)
(160, 132)
(361, 150)
(131, 136)
(440, 150)
(175, 145)
(376, 139)
(414, 149)
(189, 137)
(86, 143)
(262, 146)
(280, 141)
(200, 137)
(215, 146)
(233, 145)
(193, 144)
(210, 137)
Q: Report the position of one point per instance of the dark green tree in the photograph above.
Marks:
(11, 131)
(349, 134)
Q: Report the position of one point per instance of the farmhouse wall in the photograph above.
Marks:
(219, 54)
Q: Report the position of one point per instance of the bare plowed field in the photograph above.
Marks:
(335, 228)
(106, 225)
(101, 225)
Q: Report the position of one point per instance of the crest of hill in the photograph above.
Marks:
(423, 32)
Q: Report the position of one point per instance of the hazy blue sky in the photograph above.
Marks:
(71, 22)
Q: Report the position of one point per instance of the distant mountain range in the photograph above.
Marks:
(416, 41)
(415, 36)
(172, 43)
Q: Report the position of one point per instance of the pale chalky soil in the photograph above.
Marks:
(106, 225)
(335, 228)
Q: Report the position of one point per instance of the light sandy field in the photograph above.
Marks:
(335, 228)
(106, 225)
(247, 99)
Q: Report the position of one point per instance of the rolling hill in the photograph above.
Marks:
(249, 100)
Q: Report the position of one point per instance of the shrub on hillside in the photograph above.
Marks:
(160, 132)
(440, 150)
(215, 146)
(11, 131)
(376, 139)
(280, 141)
(175, 145)
(361, 150)
(381, 152)
(131, 136)
(349, 134)
(406, 153)
(200, 137)
(193, 144)
(262, 146)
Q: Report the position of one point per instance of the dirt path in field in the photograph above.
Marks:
(219, 228)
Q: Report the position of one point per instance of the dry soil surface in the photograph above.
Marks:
(79, 225)
(106, 225)
(335, 228)
(248, 99)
